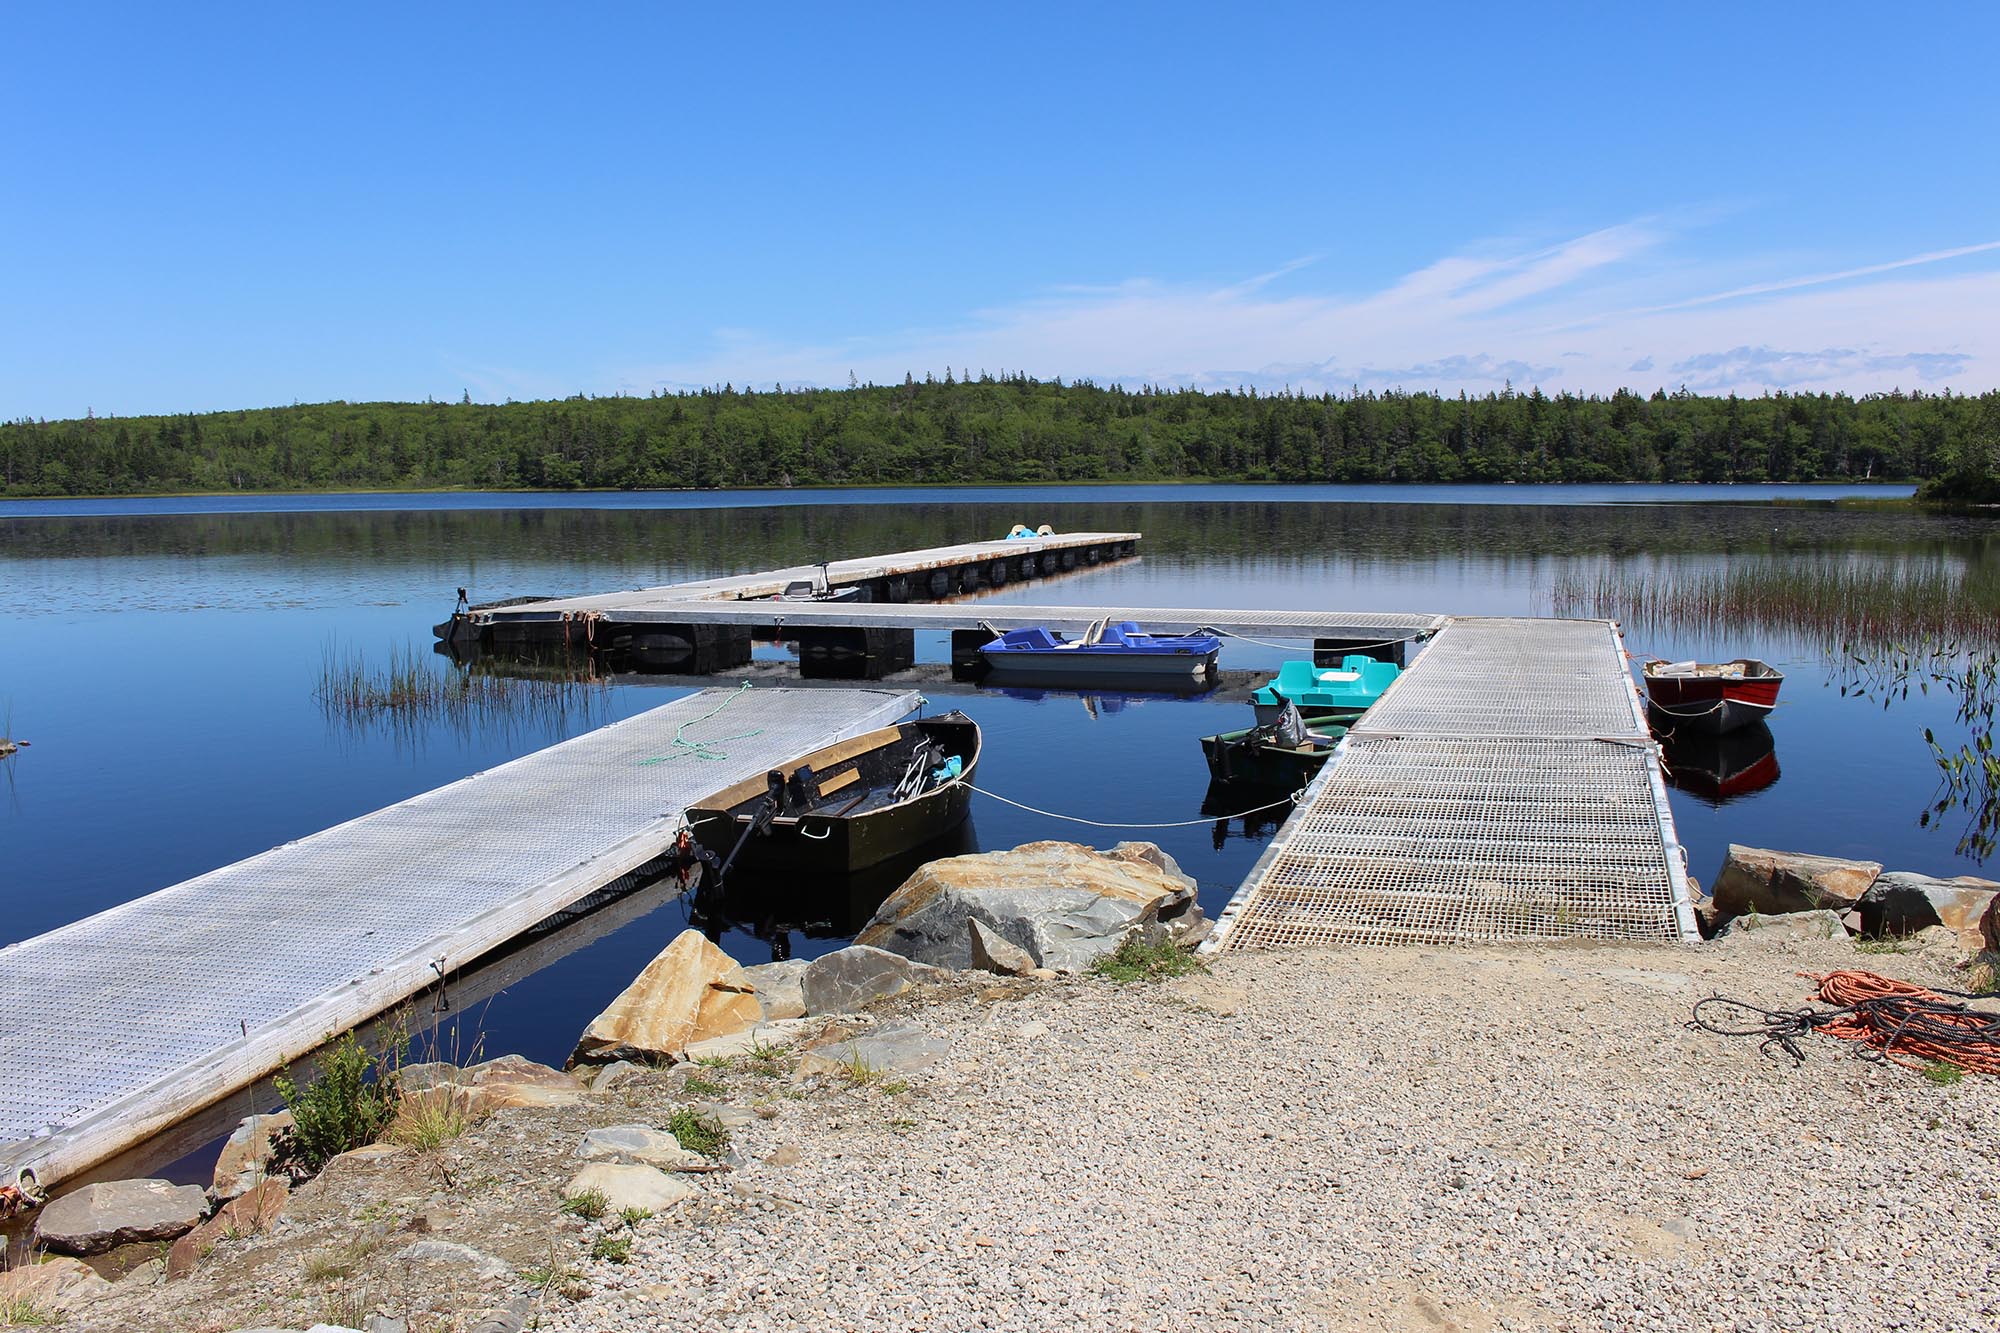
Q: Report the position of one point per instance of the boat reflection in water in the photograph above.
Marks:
(1246, 810)
(774, 906)
(1103, 703)
(1719, 769)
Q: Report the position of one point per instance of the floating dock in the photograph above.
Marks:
(125, 1023)
(1505, 788)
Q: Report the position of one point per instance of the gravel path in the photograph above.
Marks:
(1518, 1138)
(1391, 1139)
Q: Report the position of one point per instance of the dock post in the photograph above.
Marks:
(1328, 652)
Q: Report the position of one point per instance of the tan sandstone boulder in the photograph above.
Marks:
(1757, 879)
(692, 991)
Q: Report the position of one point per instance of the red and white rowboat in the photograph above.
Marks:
(1711, 696)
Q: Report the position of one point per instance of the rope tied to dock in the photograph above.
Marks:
(1900, 1022)
(703, 749)
(1296, 798)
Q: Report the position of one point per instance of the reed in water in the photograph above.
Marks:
(1829, 603)
(411, 691)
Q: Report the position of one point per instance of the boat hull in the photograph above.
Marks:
(1235, 757)
(1712, 703)
(839, 844)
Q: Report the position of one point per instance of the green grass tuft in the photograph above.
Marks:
(698, 1133)
(1943, 1073)
(1136, 960)
(586, 1204)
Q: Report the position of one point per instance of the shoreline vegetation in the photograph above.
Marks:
(1014, 430)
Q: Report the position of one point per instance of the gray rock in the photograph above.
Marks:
(636, 1145)
(1757, 879)
(452, 1254)
(1903, 903)
(509, 1318)
(897, 1050)
(993, 952)
(618, 1074)
(629, 1186)
(96, 1218)
(381, 1323)
(852, 978)
(729, 1117)
(246, 1156)
(778, 987)
(1063, 904)
(1784, 927)
(415, 1078)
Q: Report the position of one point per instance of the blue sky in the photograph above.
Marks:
(215, 207)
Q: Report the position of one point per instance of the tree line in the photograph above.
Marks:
(1013, 428)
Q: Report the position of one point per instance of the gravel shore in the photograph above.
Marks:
(1518, 1138)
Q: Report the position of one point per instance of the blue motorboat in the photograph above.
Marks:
(1105, 651)
(1343, 692)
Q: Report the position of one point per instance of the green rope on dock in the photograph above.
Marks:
(704, 749)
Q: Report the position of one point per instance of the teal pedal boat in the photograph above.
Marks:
(1344, 692)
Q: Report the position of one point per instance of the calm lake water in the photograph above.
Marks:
(161, 657)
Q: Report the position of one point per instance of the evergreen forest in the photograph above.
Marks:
(1016, 429)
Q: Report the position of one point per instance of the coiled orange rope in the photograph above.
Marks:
(1909, 1024)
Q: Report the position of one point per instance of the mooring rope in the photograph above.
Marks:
(703, 749)
(1894, 1017)
(1293, 647)
(1294, 799)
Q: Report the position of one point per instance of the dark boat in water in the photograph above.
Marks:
(1264, 757)
(1711, 696)
(849, 805)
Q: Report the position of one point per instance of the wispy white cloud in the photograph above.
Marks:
(1559, 315)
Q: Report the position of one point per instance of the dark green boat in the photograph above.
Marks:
(849, 805)
(1258, 757)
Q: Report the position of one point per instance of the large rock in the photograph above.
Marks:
(778, 986)
(1783, 928)
(1989, 926)
(254, 1211)
(629, 1187)
(52, 1287)
(1903, 903)
(246, 1156)
(514, 1071)
(96, 1218)
(850, 979)
(691, 992)
(1062, 904)
(900, 1050)
(1757, 879)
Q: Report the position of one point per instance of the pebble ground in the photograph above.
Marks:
(1381, 1139)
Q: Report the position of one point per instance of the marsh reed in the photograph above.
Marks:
(1833, 605)
(411, 692)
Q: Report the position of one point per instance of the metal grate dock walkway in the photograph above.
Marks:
(121, 1024)
(1504, 788)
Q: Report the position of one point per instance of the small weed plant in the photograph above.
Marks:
(343, 1109)
(1137, 960)
(616, 1249)
(1880, 946)
(19, 1310)
(1943, 1073)
(698, 1133)
(586, 1204)
(697, 1086)
(632, 1217)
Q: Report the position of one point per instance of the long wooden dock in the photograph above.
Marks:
(1368, 626)
(986, 564)
(122, 1024)
(1505, 787)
